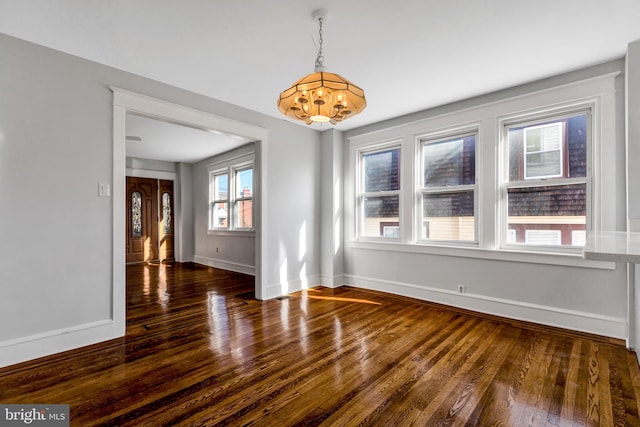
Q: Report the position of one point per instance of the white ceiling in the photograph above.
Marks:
(407, 55)
(157, 140)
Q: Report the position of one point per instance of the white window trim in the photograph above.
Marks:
(230, 166)
(233, 209)
(361, 194)
(607, 200)
(212, 200)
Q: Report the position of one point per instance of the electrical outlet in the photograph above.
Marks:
(461, 289)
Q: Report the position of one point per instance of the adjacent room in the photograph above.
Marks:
(291, 213)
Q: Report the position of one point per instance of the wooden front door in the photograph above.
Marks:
(142, 220)
(166, 219)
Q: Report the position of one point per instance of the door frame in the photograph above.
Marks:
(124, 102)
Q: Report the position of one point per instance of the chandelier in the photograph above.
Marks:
(321, 96)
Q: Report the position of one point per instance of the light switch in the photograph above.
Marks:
(104, 189)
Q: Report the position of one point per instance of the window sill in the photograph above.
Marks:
(234, 233)
(561, 259)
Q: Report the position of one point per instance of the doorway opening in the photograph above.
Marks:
(126, 102)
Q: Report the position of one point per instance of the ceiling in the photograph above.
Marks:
(157, 140)
(407, 55)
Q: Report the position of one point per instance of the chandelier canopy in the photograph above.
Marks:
(322, 96)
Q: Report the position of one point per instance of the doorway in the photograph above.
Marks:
(125, 102)
(150, 231)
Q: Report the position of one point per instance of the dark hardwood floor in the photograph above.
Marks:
(200, 350)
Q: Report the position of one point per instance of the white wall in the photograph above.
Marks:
(56, 145)
(141, 165)
(332, 211)
(294, 213)
(184, 217)
(632, 86)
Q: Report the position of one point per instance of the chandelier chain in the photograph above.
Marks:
(320, 57)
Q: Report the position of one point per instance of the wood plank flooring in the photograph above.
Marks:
(200, 350)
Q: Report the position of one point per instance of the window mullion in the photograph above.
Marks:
(545, 182)
(450, 189)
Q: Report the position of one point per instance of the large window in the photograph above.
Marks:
(231, 198)
(379, 196)
(522, 179)
(546, 194)
(448, 181)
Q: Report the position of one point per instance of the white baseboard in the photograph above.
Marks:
(331, 282)
(225, 265)
(52, 342)
(280, 289)
(608, 326)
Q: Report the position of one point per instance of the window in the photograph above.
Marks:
(231, 197)
(546, 192)
(448, 188)
(219, 205)
(166, 213)
(379, 196)
(243, 204)
(136, 214)
(521, 179)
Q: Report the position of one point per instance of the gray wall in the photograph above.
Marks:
(633, 156)
(229, 250)
(56, 145)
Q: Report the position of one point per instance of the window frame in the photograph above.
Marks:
(230, 168)
(534, 118)
(236, 170)
(422, 190)
(213, 176)
(599, 92)
(361, 194)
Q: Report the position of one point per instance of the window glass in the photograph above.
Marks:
(378, 211)
(543, 237)
(221, 187)
(449, 162)
(244, 183)
(166, 213)
(556, 207)
(450, 216)
(244, 214)
(382, 170)
(219, 215)
(552, 149)
(136, 214)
